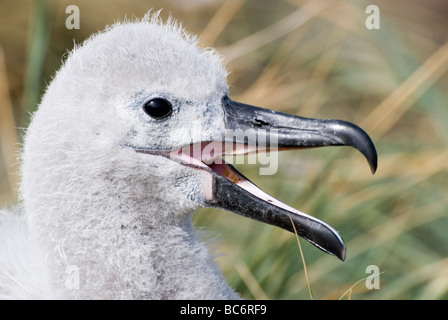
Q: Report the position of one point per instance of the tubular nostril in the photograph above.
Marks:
(259, 122)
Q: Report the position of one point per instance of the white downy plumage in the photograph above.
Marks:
(92, 208)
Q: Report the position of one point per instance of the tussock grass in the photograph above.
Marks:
(316, 59)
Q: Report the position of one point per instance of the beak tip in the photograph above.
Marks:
(374, 165)
(369, 151)
(342, 254)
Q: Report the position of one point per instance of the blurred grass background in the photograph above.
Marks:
(311, 58)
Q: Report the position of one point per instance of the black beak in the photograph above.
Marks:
(232, 191)
(292, 132)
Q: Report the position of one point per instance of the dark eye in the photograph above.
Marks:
(158, 108)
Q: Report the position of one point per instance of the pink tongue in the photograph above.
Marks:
(227, 171)
(230, 173)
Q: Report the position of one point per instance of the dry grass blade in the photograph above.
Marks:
(219, 21)
(433, 275)
(402, 98)
(350, 290)
(279, 29)
(305, 270)
(250, 281)
(323, 68)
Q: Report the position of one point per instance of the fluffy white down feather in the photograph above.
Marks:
(88, 203)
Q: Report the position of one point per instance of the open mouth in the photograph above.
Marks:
(227, 180)
(230, 190)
